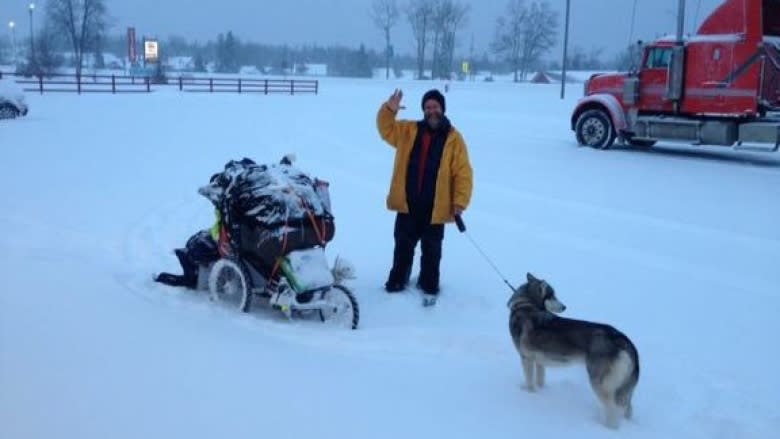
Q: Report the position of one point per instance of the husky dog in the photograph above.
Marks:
(544, 339)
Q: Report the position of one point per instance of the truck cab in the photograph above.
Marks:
(715, 87)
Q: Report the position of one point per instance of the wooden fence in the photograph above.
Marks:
(71, 83)
(241, 85)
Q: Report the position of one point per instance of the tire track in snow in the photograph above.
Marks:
(144, 246)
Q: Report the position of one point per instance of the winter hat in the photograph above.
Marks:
(435, 95)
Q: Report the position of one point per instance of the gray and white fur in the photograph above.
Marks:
(543, 339)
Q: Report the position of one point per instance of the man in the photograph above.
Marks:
(201, 249)
(431, 184)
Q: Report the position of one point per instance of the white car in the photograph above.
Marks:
(12, 100)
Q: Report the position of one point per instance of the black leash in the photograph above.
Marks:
(462, 228)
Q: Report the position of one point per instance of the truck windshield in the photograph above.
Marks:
(772, 18)
(658, 58)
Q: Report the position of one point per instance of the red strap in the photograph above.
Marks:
(224, 242)
(426, 144)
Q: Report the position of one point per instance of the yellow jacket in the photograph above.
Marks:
(454, 181)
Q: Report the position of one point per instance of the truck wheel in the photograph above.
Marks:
(594, 128)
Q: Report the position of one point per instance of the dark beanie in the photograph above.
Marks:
(435, 95)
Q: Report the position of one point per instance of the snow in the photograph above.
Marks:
(706, 38)
(677, 247)
(271, 193)
(316, 69)
(310, 268)
(10, 91)
(772, 40)
(180, 63)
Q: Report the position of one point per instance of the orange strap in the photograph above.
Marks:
(320, 233)
(320, 236)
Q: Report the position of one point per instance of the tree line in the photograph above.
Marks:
(524, 33)
(523, 37)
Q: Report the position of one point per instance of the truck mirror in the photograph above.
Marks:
(635, 53)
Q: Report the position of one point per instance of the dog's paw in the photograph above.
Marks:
(612, 421)
(529, 388)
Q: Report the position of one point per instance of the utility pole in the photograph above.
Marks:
(565, 49)
(12, 26)
(32, 36)
(680, 21)
(471, 58)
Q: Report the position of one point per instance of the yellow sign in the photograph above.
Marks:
(151, 51)
(466, 67)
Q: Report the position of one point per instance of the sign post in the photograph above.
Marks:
(132, 53)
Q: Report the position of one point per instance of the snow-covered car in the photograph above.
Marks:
(12, 100)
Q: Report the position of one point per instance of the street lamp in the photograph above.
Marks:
(32, 34)
(12, 26)
(565, 49)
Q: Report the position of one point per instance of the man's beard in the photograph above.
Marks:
(433, 121)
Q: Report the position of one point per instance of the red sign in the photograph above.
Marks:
(131, 50)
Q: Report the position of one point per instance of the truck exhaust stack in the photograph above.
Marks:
(676, 78)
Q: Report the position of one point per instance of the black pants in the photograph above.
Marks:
(200, 250)
(409, 230)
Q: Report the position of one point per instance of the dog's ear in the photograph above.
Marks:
(530, 277)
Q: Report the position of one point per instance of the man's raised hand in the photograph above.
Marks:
(394, 102)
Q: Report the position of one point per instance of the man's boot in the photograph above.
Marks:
(189, 267)
(173, 280)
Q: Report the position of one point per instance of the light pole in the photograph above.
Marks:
(12, 26)
(32, 35)
(565, 49)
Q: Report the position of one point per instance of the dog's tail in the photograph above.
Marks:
(628, 362)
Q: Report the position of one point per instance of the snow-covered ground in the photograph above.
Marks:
(678, 247)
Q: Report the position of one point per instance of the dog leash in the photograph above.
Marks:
(462, 228)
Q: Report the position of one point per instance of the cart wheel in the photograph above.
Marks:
(229, 284)
(341, 307)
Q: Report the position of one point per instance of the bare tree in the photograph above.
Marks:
(47, 59)
(82, 21)
(420, 15)
(579, 59)
(629, 58)
(448, 17)
(539, 34)
(5, 46)
(510, 30)
(385, 15)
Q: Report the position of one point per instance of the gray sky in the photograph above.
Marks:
(594, 23)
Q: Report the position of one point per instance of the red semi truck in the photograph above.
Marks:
(720, 86)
